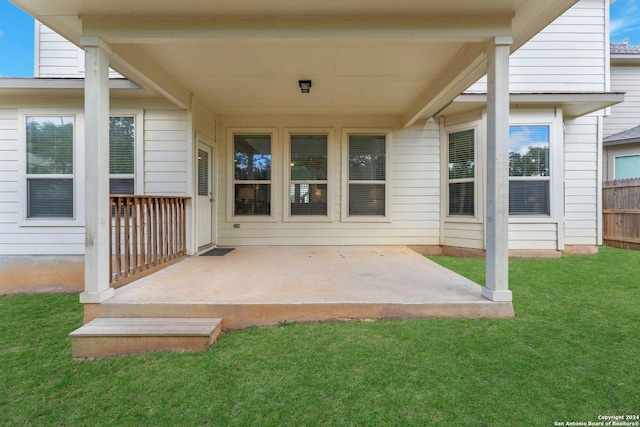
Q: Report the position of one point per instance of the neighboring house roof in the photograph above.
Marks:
(624, 54)
(628, 136)
(624, 48)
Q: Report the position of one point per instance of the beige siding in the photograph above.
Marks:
(414, 181)
(533, 236)
(581, 181)
(567, 56)
(166, 136)
(58, 57)
(626, 114)
(464, 234)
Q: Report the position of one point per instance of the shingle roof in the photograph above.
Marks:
(624, 48)
(629, 135)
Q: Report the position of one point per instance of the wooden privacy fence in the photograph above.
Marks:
(621, 211)
(147, 233)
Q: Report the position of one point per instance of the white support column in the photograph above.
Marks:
(96, 140)
(497, 198)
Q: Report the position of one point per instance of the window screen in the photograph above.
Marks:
(252, 173)
(462, 173)
(308, 163)
(122, 155)
(529, 170)
(49, 144)
(367, 175)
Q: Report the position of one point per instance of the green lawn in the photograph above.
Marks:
(572, 353)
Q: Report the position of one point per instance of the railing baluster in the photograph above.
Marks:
(147, 231)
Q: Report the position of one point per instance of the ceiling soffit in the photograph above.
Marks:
(142, 47)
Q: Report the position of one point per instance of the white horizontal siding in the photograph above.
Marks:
(567, 56)
(58, 57)
(166, 133)
(414, 187)
(581, 181)
(8, 163)
(626, 114)
(533, 236)
(464, 234)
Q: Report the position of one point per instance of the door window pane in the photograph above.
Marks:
(203, 173)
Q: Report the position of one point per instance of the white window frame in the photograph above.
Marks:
(275, 174)
(138, 120)
(286, 206)
(478, 171)
(344, 211)
(614, 163)
(553, 119)
(77, 175)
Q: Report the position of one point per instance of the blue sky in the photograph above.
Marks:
(16, 34)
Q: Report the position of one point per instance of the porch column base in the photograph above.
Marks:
(497, 296)
(96, 297)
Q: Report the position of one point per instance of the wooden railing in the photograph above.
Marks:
(147, 233)
(621, 213)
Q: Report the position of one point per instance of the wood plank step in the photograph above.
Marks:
(107, 337)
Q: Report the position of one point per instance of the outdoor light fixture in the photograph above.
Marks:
(305, 85)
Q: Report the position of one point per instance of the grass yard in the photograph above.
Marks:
(571, 354)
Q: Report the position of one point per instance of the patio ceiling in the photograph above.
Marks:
(406, 58)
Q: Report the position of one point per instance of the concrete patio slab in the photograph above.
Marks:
(267, 285)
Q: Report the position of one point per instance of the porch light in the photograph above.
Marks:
(305, 85)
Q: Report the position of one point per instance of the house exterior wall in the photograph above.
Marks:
(414, 186)
(569, 55)
(57, 57)
(55, 251)
(582, 181)
(624, 78)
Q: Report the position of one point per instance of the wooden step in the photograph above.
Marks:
(107, 337)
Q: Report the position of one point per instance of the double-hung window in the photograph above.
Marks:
(122, 155)
(367, 175)
(308, 175)
(462, 173)
(50, 166)
(529, 170)
(252, 175)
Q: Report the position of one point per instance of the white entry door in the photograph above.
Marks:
(205, 198)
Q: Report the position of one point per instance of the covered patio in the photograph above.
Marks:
(272, 285)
